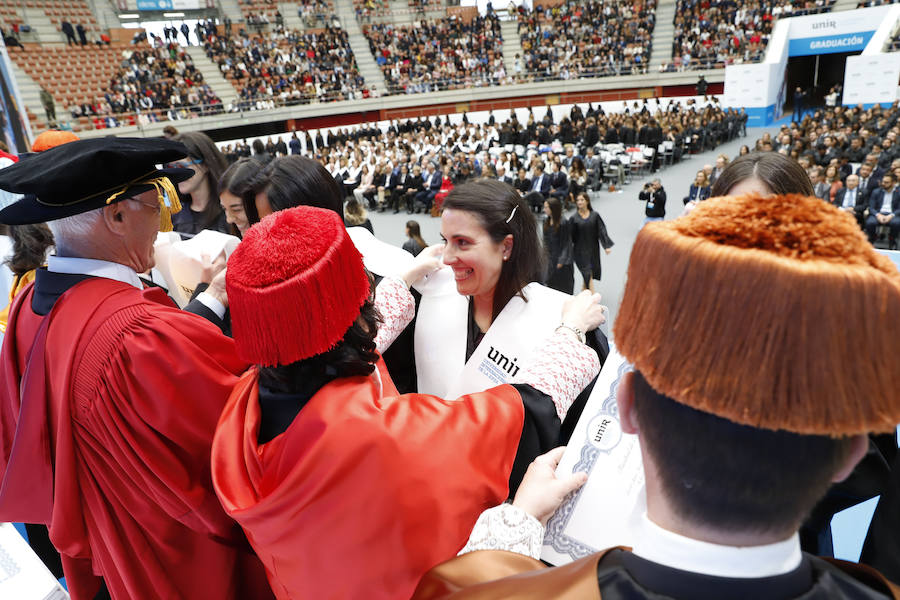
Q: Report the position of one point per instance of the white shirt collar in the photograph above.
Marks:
(670, 549)
(95, 268)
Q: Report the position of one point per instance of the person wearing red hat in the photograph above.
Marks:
(109, 394)
(345, 488)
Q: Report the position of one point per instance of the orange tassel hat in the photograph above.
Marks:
(773, 312)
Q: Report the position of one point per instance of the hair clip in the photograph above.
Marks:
(512, 214)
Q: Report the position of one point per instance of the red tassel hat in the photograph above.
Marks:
(295, 285)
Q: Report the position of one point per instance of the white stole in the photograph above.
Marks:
(441, 330)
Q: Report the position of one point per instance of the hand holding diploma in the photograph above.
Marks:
(542, 491)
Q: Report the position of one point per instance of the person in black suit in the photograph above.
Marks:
(559, 183)
(884, 209)
(867, 181)
(431, 185)
(539, 190)
(69, 32)
(521, 182)
(852, 199)
(502, 176)
(413, 187)
(398, 187)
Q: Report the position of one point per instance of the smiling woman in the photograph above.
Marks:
(485, 315)
(491, 245)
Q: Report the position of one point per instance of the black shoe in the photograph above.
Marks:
(396, 211)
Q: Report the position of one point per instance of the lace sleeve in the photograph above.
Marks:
(397, 308)
(561, 369)
(506, 527)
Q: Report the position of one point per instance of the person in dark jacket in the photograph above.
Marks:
(558, 247)
(414, 243)
(69, 32)
(655, 197)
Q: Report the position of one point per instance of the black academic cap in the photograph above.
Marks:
(80, 176)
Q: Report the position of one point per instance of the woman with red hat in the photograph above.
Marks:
(344, 487)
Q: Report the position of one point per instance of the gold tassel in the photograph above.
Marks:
(166, 194)
(169, 203)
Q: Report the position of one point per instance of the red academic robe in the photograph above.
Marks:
(366, 489)
(108, 443)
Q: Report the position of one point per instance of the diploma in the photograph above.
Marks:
(604, 511)
(22, 574)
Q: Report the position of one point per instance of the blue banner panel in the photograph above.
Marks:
(154, 4)
(831, 44)
(760, 116)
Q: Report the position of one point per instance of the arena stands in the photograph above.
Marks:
(438, 55)
(289, 67)
(586, 39)
(712, 35)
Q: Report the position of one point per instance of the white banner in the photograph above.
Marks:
(871, 79)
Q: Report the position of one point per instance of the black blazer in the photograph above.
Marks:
(876, 199)
(861, 199)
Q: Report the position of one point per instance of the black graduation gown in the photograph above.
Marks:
(558, 245)
(622, 575)
(587, 236)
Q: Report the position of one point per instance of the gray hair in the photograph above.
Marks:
(77, 227)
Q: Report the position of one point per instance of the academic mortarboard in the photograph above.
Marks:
(87, 174)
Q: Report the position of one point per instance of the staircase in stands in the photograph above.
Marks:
(212, 75)
(368, 68)
(663, 35)
(512, 42)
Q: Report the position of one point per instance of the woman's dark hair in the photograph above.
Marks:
(782, 174)
(30, 245)
(587, 200)
(502, 211)
(354, 355)
(201, 148)
(578, 164)
(298, 181)
(416, 233)
(555, 219)
(244, 179)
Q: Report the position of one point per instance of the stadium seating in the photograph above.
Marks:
(289, 68)
(713, 35)
(449, 53)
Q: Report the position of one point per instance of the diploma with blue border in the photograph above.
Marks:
(603, 512)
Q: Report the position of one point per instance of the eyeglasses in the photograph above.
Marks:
(154, 205)
(183, 164)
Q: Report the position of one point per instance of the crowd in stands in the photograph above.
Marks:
(713, 35)
(438, 55)
(573, 151)
(287, 67)
(314, 12)
(838, 142)
(586, 39)
(159, 83)
(870, 3)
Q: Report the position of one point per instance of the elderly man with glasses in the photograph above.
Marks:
(110, 395)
